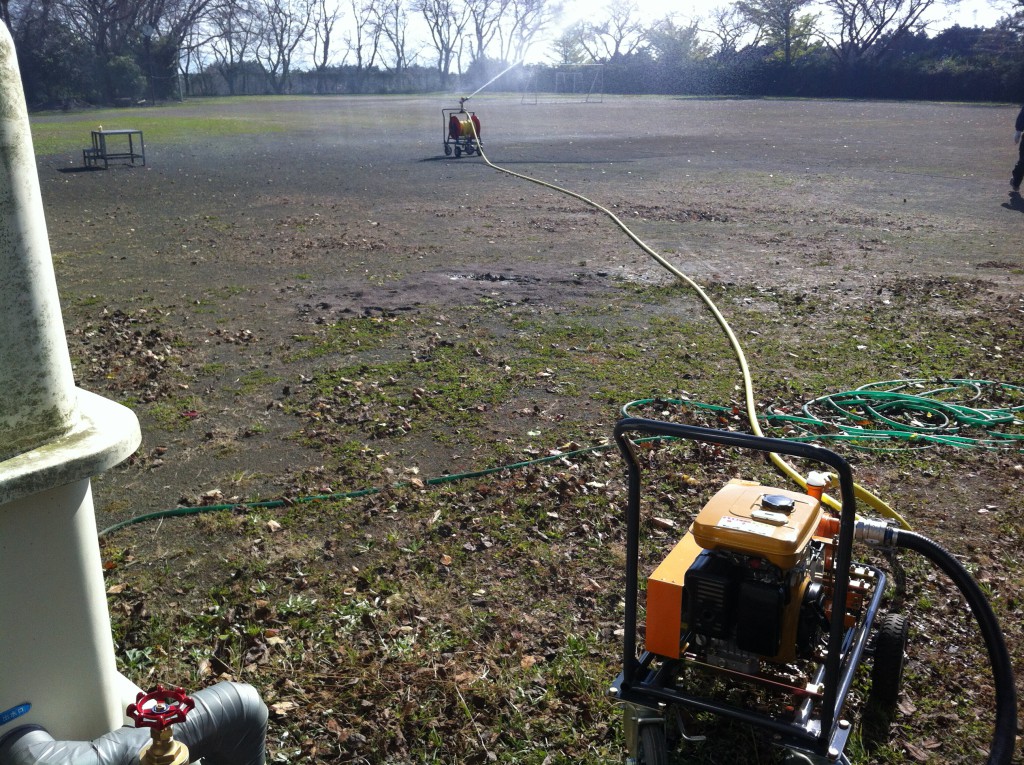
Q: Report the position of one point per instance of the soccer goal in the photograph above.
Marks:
(565, 83)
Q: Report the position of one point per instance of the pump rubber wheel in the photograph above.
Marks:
(886, 678)
(447, 150)
(458, 151)
(890, 653)
(652, 746)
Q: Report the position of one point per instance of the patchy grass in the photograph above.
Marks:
(161, 126)
(480, 620)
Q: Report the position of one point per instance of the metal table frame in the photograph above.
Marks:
(99, 152)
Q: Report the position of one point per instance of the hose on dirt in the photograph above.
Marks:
(175, 512)
(788, 470)
(1005, 733)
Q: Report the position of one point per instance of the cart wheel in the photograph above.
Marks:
(886, 679)
(458, 151)
(652, 748)
(447, 150)
(890, 653)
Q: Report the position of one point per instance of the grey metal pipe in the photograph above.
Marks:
(227, 727)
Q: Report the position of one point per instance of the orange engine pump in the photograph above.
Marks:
(750, 581)
(459, 126)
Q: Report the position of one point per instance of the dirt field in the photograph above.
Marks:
(361, 212)
(214, 289)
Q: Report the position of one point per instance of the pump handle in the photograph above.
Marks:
(160, 708)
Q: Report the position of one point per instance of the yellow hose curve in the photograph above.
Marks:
(788, 470)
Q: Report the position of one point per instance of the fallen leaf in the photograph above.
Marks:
(282, 708)
(916, 753)
(906, 707)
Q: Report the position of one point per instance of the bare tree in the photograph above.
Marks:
(446, 20)
(521, 24)
(325, 16)
(120, 33)
(174, 19)
(195, 54)
(102, 23)
(620, 34)
(393, 22)
(871, 27)
(284, 25)
(54, 60)
(364, 39)
(485, 19)
(235, 30)
(112, 26)
(26, 18)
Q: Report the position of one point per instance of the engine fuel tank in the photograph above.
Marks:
(769, 523)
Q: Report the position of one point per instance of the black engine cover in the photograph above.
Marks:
(710, 596)
(723, 600)
(759, 612)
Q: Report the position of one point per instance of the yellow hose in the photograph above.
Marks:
(748, 386)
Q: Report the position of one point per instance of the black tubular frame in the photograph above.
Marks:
(463, 142)
(838, 673)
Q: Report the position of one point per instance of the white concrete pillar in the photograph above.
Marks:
(57, 664)
(35, 373)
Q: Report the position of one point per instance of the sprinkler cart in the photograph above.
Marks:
(759, 614)
(461, 131)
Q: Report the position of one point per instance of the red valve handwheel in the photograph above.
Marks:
(160, 708)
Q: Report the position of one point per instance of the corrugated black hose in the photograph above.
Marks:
(1004, 736)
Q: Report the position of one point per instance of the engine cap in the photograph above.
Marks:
(778, 502)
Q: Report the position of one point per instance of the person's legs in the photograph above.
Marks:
(1018, 170)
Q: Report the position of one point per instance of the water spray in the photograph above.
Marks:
(491, 81)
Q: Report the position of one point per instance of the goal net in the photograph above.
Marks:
(565, 83)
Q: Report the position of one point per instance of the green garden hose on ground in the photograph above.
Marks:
(851, 427)
(882, 413)
(339, 496)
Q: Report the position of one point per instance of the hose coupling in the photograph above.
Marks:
(876, 533)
